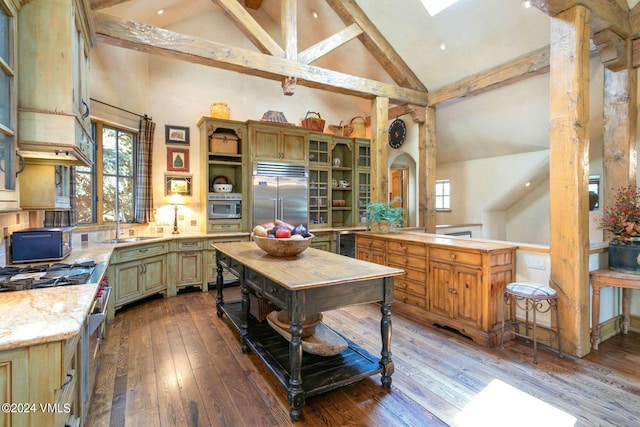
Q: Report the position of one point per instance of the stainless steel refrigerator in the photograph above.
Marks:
(280, 192)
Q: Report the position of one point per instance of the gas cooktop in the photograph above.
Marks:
(18, 278)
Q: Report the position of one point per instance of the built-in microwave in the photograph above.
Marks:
(225, 205)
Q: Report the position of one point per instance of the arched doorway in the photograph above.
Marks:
(402, 183)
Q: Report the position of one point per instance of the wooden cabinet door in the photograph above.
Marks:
(189, 268)
(294, 146)
(468, 296)
(155, 274)
(128, 285)
(441, 288)
(14, 374)
(265, 143)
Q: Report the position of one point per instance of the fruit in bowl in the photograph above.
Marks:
(279, 238)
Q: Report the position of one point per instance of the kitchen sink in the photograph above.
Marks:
(130, 239)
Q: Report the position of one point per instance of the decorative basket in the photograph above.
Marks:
(359, 125)
(274, 117)
(260, 307)
(341, 130)
(314, 123)
(221, 142)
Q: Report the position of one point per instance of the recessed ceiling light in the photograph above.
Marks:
(526, 4)
(527, 184)
(314, 14)
(160, 11)
(443, 46)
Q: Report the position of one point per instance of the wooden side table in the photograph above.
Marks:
(605, 278)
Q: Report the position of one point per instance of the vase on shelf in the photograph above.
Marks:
(220, 110)
(624, 255)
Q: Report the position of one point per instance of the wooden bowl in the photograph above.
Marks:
(282, 247)
(308, 324)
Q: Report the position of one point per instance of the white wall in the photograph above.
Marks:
(179, 93)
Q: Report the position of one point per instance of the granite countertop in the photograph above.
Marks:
(51, 314)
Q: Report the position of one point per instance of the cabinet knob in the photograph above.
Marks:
(404, 248)
(453, 291)
(452, 255)
(405, 261)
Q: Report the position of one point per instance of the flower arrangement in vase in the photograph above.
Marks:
(622, 218)
(385, 215)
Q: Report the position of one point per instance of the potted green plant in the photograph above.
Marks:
(622, 218)
(386, 216)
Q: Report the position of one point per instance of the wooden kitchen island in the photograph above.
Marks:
(449, 281)
(311, 282)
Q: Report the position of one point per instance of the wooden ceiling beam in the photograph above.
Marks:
(102, 4)
(503, 75)
(605, 14)
(158, 41)
(250, 27)
(377, 45)
(325, 46)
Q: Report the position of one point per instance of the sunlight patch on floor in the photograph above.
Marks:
(501, 405)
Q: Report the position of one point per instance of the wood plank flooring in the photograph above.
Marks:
(173, 362)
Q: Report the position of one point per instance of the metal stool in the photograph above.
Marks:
(532, 296)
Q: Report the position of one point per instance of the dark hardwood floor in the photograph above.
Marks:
(173, 362)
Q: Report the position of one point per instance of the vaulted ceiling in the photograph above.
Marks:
(477, 35)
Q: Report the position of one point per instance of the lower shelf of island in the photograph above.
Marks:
(319, 373)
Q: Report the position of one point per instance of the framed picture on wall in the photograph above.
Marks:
(176, 134)
(177, 184)
(177, 159)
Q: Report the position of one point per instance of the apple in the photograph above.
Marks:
(283, 233)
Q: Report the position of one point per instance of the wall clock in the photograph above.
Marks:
(397, 133)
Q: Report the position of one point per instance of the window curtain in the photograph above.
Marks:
(143, 204)
(73, 197)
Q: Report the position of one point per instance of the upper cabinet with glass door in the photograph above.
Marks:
(8, 28)
(54, 41)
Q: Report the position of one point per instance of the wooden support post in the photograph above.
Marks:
(427, 171)
(379, 149)
(620, 121)
(289, 14)
(569, 174)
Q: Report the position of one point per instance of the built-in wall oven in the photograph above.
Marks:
(224, 205)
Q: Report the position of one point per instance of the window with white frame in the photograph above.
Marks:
(443, 195)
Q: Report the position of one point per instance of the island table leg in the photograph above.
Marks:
(244, 316)
(385, 331)
(296, 392)
(219, 285)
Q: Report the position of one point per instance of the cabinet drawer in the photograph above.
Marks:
(403, 261)
(412, 274)
(407, 298)
(254, 280)
(188, 245)
(451, 255)
(138, 252)
(277, 294)
(221, 225)
(367, 243)
(416, 288)
(407, 248)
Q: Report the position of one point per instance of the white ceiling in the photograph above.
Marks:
(478, 35)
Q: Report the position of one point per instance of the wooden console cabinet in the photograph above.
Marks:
(453, 282)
